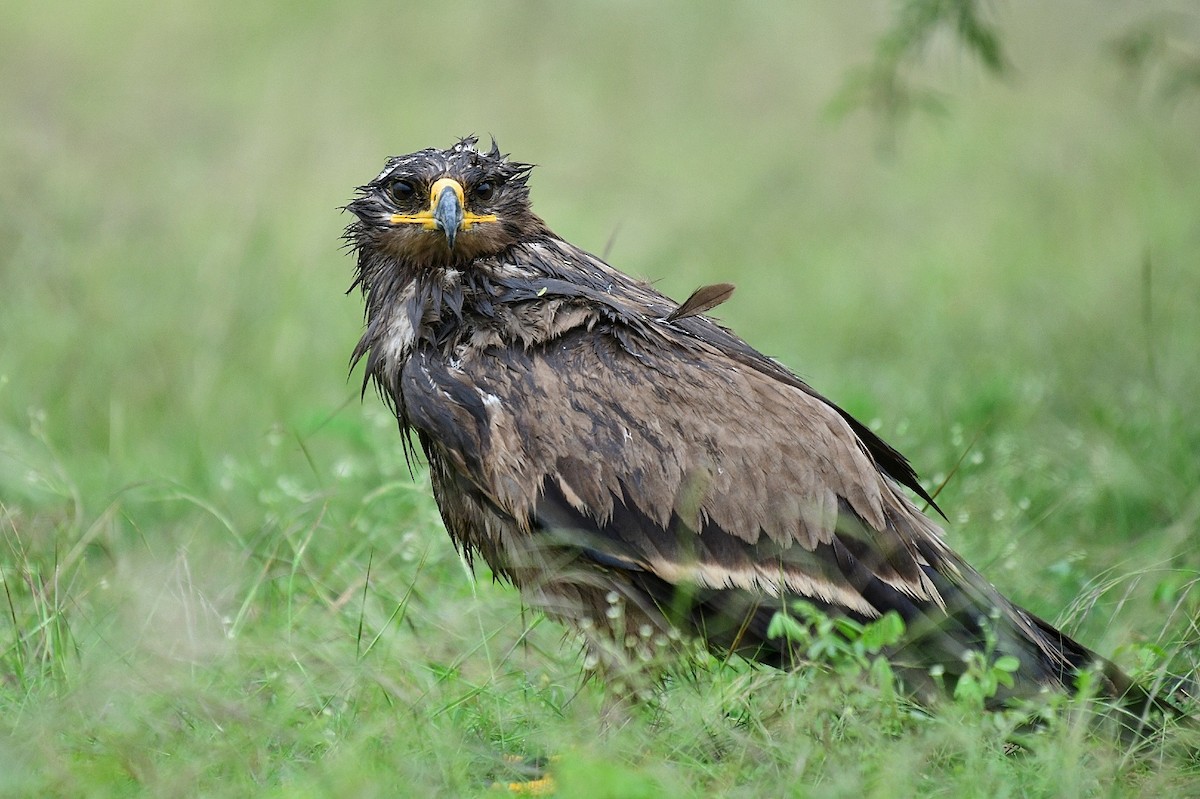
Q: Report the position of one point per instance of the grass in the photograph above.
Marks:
(219, 576)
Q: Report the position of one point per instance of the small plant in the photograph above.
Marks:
(983, 678)
(843, 645)
(850, 648)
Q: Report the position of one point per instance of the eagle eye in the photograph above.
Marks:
(401, 191)
(484, 191)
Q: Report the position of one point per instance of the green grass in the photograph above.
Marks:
(219, 576)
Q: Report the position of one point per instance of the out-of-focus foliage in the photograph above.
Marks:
(1163, 53)
(219, 575)
(886, 88)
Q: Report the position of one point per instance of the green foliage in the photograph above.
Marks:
(220, 577)
(853, 650)
(885, 87)
(844, 645)
(1161, 52)
(983, 678)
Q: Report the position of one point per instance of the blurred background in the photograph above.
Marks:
(998, 272)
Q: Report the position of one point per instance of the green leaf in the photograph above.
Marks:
(1007, 664)
(784, 626)
(885, 631)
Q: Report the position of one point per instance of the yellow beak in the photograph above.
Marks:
(446, 211)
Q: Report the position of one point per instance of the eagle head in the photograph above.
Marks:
(443, 208)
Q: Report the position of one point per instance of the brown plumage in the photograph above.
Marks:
(596, 442)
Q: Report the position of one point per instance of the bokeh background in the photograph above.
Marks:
(205, 529)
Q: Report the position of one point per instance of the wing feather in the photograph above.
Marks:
(720, 476)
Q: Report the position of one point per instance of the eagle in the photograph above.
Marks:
(631, 464)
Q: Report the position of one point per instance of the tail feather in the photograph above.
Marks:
(1141, 709)
(972, 616)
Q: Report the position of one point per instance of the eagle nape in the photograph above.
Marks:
(597, 443)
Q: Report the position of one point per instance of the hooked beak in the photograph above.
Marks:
(446, 212)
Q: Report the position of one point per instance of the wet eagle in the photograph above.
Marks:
(600, 445)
